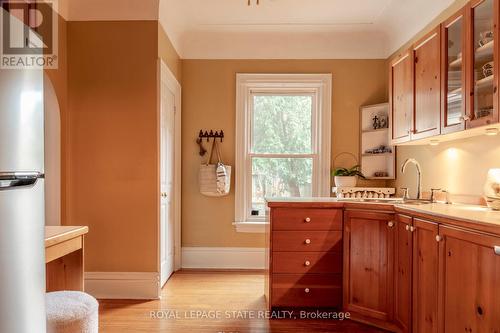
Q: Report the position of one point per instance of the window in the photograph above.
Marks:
(283, 141)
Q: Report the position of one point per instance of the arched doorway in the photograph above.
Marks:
(52, 154)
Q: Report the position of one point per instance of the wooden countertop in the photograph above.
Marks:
(58, 234)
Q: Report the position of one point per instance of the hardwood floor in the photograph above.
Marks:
(217, 294)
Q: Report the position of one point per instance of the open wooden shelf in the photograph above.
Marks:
(373, 138)
(379, 178)
(373, 155)
(376, 130)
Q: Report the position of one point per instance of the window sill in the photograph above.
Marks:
(251, 227)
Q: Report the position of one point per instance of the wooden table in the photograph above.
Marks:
(64, 257)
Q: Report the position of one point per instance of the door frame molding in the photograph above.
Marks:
(165, 75)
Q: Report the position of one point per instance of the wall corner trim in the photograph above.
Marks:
(223, 257)
(123, 285)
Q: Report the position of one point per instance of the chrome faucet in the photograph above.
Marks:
(419, 174)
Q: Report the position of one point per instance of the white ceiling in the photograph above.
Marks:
(276, 29)
(311, 29)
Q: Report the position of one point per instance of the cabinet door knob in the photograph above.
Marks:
(307, 290)
(390, 224)
(407, 227)
(412, 228)
(307, 241)
(307, 219)
(438, 238)
(307, 263)
(497, 250)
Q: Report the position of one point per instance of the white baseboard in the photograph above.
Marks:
(223, 257)
(123, 285)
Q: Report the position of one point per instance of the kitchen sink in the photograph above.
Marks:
(415, 202)
(377, 200)
(398, 201)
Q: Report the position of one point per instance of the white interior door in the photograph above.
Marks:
(167, 166)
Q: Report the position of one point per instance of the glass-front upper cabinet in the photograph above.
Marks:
(483, 37)
(454, 53)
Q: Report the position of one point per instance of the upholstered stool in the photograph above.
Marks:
(71, 312)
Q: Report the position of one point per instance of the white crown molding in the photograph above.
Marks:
(282, 45)
(232, 31)
(223, 258)
(123, 285)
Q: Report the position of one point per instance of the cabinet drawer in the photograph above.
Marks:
(307, 262)
(309, 290)
(306, 219)
(308, 241)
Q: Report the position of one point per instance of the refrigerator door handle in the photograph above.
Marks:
(13, 180)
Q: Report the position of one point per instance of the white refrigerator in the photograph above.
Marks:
(22, 251)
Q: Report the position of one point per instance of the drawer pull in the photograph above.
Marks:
(307, 263)
(497, 250)
(307, 290)
(307, 241)
(307, 219)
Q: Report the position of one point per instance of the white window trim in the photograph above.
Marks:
(247, 83)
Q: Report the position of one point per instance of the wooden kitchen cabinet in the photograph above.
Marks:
(388, 267)
(403, 248)
(416, 277)
(482, 108)
(470, 281)
(425, 277)
(451, 76)
(304, 259)
(427, 86)
(368, 266)
(415, 90)
(454, 59)
(401, 98)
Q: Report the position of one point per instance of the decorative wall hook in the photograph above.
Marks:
(208, 135)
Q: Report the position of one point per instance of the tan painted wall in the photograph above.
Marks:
(209, 103)
(112, 156)
(168, 54)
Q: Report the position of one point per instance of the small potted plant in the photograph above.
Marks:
(345, 177)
